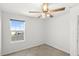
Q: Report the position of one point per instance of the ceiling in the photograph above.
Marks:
(24, 8)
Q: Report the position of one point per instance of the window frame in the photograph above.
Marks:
(16, 41)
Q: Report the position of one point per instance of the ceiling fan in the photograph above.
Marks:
(46, 12)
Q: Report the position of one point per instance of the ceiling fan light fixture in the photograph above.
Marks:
(48, 15)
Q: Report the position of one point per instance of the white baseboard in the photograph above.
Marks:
(30, 46)
(58, 48)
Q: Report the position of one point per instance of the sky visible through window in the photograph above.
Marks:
(16, 25)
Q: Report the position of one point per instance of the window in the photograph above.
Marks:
(17, 28)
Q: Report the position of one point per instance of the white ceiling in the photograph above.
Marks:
(24, 8)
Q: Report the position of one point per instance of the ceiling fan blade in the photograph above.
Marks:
(34, 12)
(59, 9)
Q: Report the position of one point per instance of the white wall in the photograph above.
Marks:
(33, 33)
(74, 13)
(62, 31)
(59, 32)
(0, 32)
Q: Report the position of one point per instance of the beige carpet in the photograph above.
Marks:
(42, 50)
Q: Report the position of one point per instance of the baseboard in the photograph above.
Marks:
(57, 48)
(21, 49)
(34, 46)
